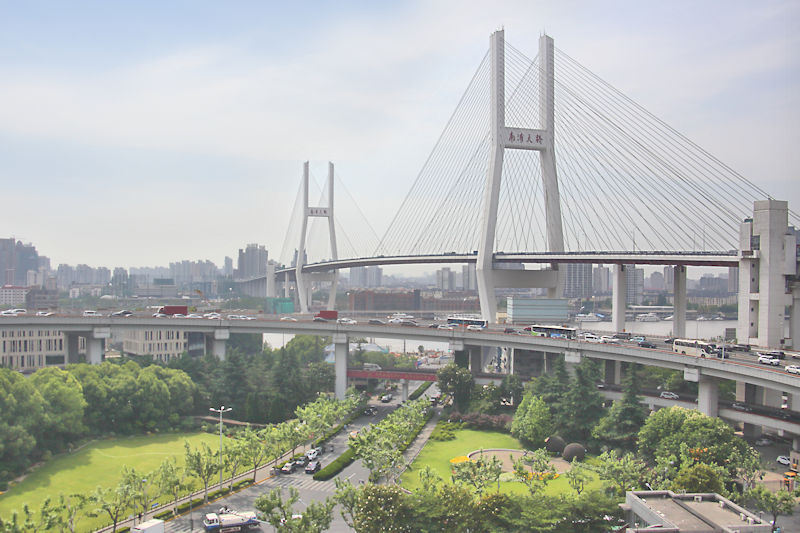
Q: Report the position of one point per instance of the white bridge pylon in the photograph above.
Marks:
(304, 280)
(504, 137)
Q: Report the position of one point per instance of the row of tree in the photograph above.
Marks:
(137, 491)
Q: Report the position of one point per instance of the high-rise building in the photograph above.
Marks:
(252, 262)
(669, 278)
(469, 280)
(227, 269)
(656, 281)
(634, 285)
(601, 280)
(374, 276)
(578, 283)
(733, 280)
(446, 279)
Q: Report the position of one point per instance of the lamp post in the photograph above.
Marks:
(222, 409)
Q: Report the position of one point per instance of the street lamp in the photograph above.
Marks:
(222, 409)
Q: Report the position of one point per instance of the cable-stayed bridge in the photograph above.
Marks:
(542, 163)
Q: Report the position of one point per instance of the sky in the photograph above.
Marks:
(142, 133)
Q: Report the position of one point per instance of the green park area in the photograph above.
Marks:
(437, 455)
(97, 464)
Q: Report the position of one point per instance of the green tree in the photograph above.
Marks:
(480, 473)
(254, 448)
(203, 464)
(113, 502)
(626, 472)
(233, 456)
(622, 423)
(512, 388)
(540, 471)
(72, 506)
(458, 382)
(532, 422)
(144, 489)
(772, 503)
(383, 508)
(581, 406)
(171, 480)
(279, 513)
(577, 476)
(698, 477)
(63, 397)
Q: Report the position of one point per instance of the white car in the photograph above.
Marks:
(91, 313)
(474, 327)
(288, 319)
(792, 369)
(782, 459)
(768, 360)
(44, 313)
(347, 322)
(395, 321)
(763, 442)
(446, 326)
(607, 339)
(668, 395)
(193, 315)
(591, 337)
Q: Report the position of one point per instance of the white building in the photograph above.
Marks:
(13, 294)
(28, 349)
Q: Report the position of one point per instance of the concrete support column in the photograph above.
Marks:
(95, 348)
(475, 359)
(708, 395)
(618, 299)
(679, 302)
(71, 355)
(796, 443)
(752, 394)
(794, 313)
(340, 357)
(613, 372)
(404, 390)
(215, 343)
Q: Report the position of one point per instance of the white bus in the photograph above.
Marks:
(693, 347)
(466, 320)
(555, 332)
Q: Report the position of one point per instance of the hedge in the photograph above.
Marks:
(336, 466)
(163, 514)
(194, 503)
(420, 390)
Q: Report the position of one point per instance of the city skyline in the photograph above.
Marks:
(179, 131)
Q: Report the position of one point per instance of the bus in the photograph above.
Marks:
(555, 332)
(466, 320)
(693, 347)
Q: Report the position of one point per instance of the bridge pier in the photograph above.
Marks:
(95, 345)
(340, 347)
(618, 299)
(708, 395)
(613, 372)
(749, 393)
(72, 355)
(216, 343)
(794, 323)
(403, 390)
(679, 302)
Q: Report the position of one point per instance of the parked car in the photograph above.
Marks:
(313, 466)
(763, 441)
(782, 459)
(765, 359)
(669, 395)
(792, 369)
(288, 468)
(313, 453)
(386, 398)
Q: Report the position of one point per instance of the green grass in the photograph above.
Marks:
(97, 464)
(437, 455)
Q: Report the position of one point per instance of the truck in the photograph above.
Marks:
(151, 526)
(228, 521)
(174, 310)
(327, 315)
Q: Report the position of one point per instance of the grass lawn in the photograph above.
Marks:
(97, 464)
(437, 455)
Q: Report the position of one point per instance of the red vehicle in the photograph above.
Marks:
(174, 310)
(327, 315)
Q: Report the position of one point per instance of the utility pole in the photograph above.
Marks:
(221, 410)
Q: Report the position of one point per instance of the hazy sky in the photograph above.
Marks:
(139, 133)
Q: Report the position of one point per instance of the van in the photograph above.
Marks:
(89, 313)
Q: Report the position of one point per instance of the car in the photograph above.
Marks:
(777, 354)
(741, 407)
(782, 459)
(669, 340)
(386, 398)
(741, 347)
(178, 315)
(763, 441)
(406, 322)
(395, 321)
(347, 322)
(8, 312)
(370, 411)
(669, 395)
(121, 313)
(591, 337)
(160, 315)
(353, 434)
(607, 339)
(433, 326)
(637, 339)
(647, 344)
(792, 369)
(622, 336)
(320, 319)
(193, 315)
(765, 359)
(288, 319)
(313, 453)
(474, 327)
(44, 313)
(376, 322)
(448, 327)
(313, 466)
(91, 313)
(289, 467)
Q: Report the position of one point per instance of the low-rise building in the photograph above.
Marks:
(28, 349)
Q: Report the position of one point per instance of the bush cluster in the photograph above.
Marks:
(482, 421)
(335, 466)
(420, 390)
(445, 430)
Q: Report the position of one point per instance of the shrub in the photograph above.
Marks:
(182, 508)
(482, 421)
(163, 514)
(445, 430)
(242, 483)
(574, 451)
(336, 466)
(554, 444)
(420, 390)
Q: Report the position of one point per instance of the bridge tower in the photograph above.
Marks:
(504, 137)
(304, 280)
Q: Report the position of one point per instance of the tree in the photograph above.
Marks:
(316, 517)
(698, 477)
(143, 489)
(202, 463)
(480, 473)
(255, 448)
(382, 508)
(71, 506)
(233, 457)
(581, 406)
(458, 382)
(621, 424)
(773, 503)
(113, 502)
(577, 477)
(532, 422)
(540, 470)
(512, 388)
(171, 480)
(625, 472)
(63, 396)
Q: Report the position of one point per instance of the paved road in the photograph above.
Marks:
(309, 490)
